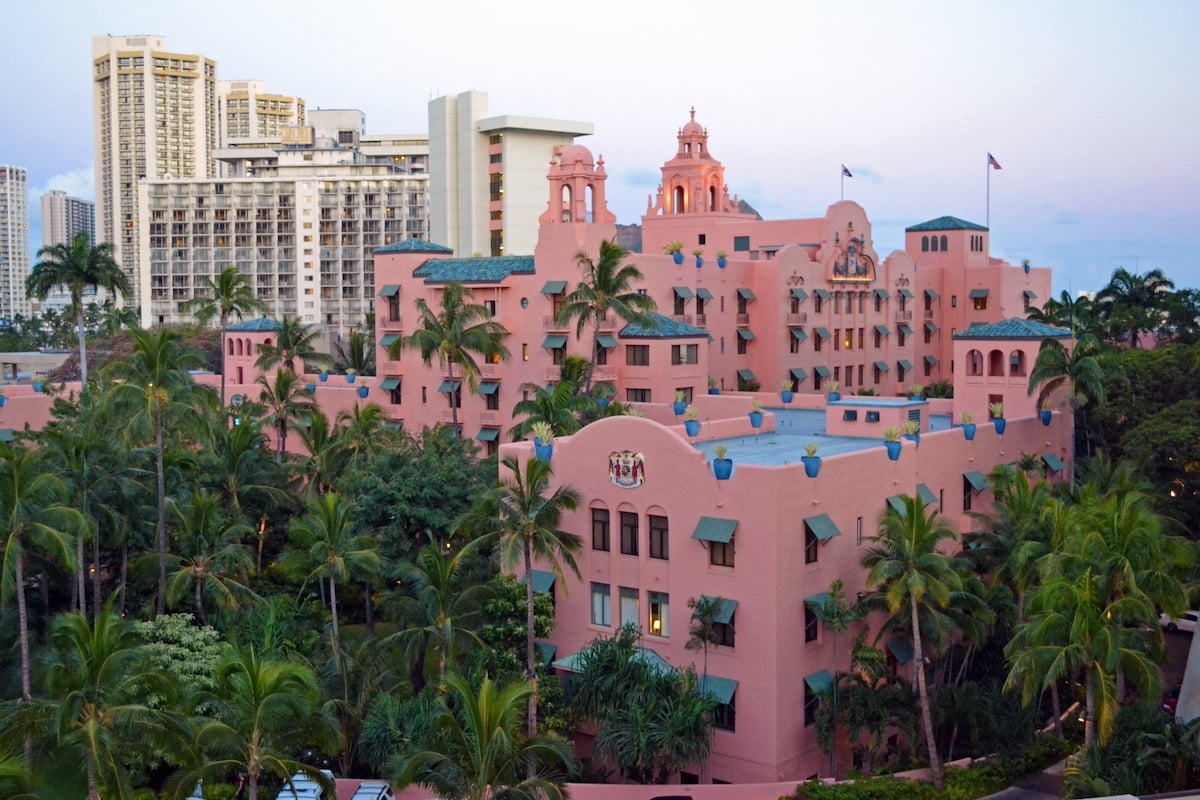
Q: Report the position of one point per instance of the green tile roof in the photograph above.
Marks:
(799, 335)
(554, 341)
(945, 224)
(259, 324)
(606, 340)
(545, 651)
(413, 246)
(746, 334)
(798, 373)
(901, 649)
(745, 293)
(474, 270)
(976, 294)
(897, 503)
(489, 387)
(704, 294)
(882, 366)
(882, 330)
(822, 370)
(554, 287)
(1015, 328)
(799, 294)
(657, 664)
(660, 327)
(683, 293)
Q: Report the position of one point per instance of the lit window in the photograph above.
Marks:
(660, 614)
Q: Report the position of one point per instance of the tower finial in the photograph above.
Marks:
(693, 113)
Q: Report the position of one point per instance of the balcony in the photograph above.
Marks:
(604, 374)
(607, 323)
(489, 417)
(797, 319)
(743, 319)
(684, 318)
(903, 316)
(448, 416)
(490, 372)
(929, 313)
(701, 320)
(389, 324)
(553, 373)
(548, 324)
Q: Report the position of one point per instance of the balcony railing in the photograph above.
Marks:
(701, 320)
(490, 372)
(396, 324)
(743, 319)
(684, 318)
(797, 319)
(603, 374)
(929, 313)
(548, 324)
(489, 417)
(904, 316)
(448, 416)
(607, 323)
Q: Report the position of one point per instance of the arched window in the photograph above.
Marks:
(995, 363)
(933, 243)
(589, 203)
(249, 347)
(974, 362)
(924, 244)
(239, 347)
(231, 346)
(677, 206)
(944, 245)
(712, 198)
(566, 203)
(1016, 362)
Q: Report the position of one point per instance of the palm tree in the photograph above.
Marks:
(606, 288)
(293, 340)
(1132, 303)
(358, 353)
(265, 708)
(211, 560)
(76, 267)
(1076, 314)
(703, 633)
(562, 405)
(230, 295)
(329, 546)
(363, 432)
(36, 518)
(352, 682)
(285, 399)
(482, 754)
(246, 475)
(154, 389)
(461, 331)
(1016, 535)
(837, 616)
(327, 456)
(1079, 368)
(907, 569)
(524, 515)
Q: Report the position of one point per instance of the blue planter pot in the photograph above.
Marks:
(312, 387)
(1000, 424)
(692, 426)
(786, 396)
(722, 468)
(3, 400)
(969, 430)
(714, 391)
(679, 407)
(893, 450)
(812, 465)
(363, 391)
(835, 396)
(350, 378)
(678, 257)
(915, 438)
(38, 386)
(755, 419)
(699, 262)
(721, 262)
(1046, 415)
(542, 451)
(324, 376)
(603, 403)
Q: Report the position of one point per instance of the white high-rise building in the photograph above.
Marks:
(14, 241)
(154, 117)
(488, 174)
(64, 216)
(247, 112)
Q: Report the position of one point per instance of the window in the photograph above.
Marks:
(924, 244)
(660, 613)
(686, 393)
(878, 339)
(685, 354)
(954, 301)
(849, 302)
(850, 415)
(901, 336)
(849, 338)
(873, 416)
(492, 401)
(862, 338)
(811, 624)
(741, 345)
(968, 493)
(601, 604)
(979, 303)
(837, 338)
(659, 537)
(725, 715)
(811, 545)
(720, 554)
(637, 355)
(974, 362)
(836, 304)
(858, 531)
(601, 356)
(679, 308)
(812, 702)
(742, 307)
(817, 303)
(741, 244)
(394, 308)
(1016, 363)
(629, 533)
(629, 607)
(723, 633)
(637, 395)
(524, 352)
(600, 528)
(945, 243)
(901, 372)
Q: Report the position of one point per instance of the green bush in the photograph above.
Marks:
(220, 791)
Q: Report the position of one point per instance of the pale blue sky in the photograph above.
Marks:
(1090, 107)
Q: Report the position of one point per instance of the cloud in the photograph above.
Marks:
(1066, 217)
(79, 183)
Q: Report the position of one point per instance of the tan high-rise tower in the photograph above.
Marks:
(14, 241)
(154, 117)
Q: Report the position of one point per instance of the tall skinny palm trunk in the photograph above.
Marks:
(92, 780)
(935, 765)
(96, 575)
(23, 631)
(337, 637)
(198, 599)
(587, 384)
(530, 659)
(224, 323)
(160, 606)
(80, 581)
(1089, 724)
(82, 333)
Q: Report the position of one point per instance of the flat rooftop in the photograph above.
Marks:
(795, 428)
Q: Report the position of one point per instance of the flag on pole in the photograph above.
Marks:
(992, 162)
(846, 172)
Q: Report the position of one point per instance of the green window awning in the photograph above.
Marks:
(488, 435)
(449, 386)
(931, 327)
(1053, 462)
(882, 366)
(719, 689)
(882, 294)
(817, 600)
(704, 294)
(545, 652)
(901, 650)
(543, 581)
(389, 339)
(822, 293)
(724, 614)
(926, 494)
(746, 374)
(904, 364)
(489, 387)
(554, 342)
(976, 479)
(798, 373)
(395, 427)
(822, 332)
(897, 504)
(1030, 294)
(745, 293)
(7, 435)
(799, 335)
(389, 384)
(882, 330)
(715, 529)
(745, 334)
(606, 340)
(931, 360)
(823, 371)
(683, 293)
(799, 294)
(820, 682)
(931, 294)
(906, 330)
(822, 527)
(905, 293)
(554, 287)
(978, 294)
(391, 290)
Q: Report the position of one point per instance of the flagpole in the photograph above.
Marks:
(987, 166)
(842, 174)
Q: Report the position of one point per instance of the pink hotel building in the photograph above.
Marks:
(801, 302)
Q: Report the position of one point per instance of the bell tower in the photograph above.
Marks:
(577, 189)
(693, 182)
